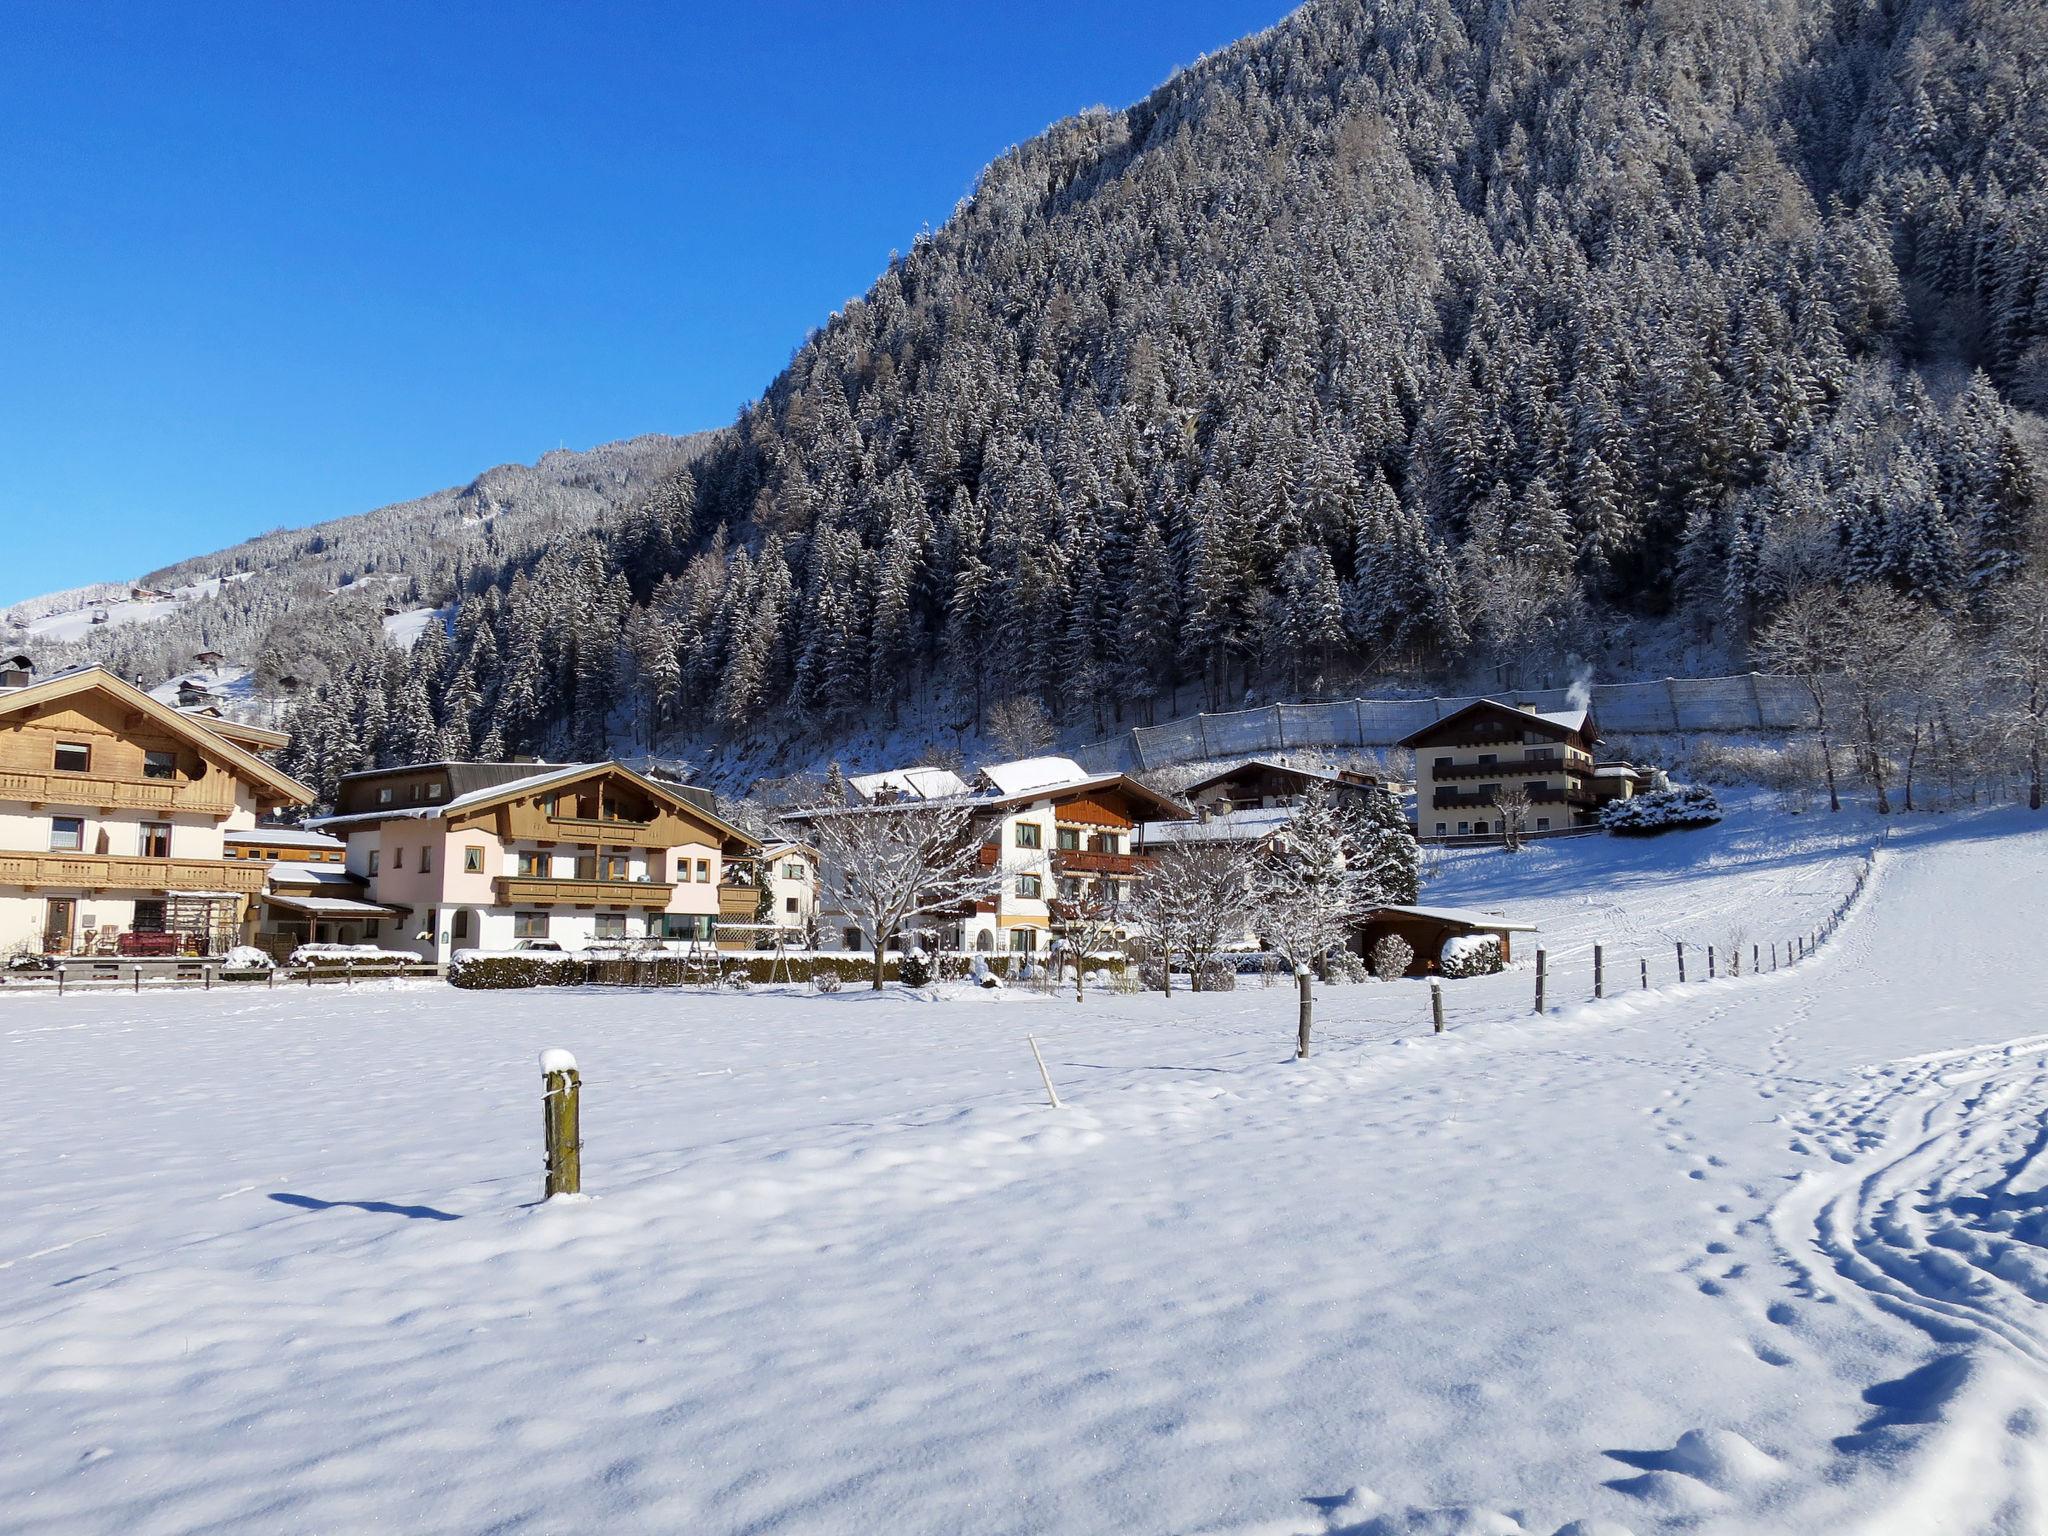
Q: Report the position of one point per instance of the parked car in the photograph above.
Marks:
(530, 945)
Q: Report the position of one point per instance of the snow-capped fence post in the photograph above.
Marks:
(1307, 1012)
(1645, 964)
(1436, 1004)
(1681, 965)
(562, 1122)
(1542, 965)
(1599, 973)
(1710, 962)
(1052, 1095)
(1756, 958)
(138, 977)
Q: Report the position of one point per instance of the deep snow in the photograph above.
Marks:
(1762, 1255)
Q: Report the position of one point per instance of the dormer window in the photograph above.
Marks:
(159, 765)
(73, 757)
(434, 791)
(384, 795)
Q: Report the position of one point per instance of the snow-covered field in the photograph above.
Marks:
(1763, 1255)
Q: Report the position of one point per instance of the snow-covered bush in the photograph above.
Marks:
(1469, 954)
(1152, 975)
(825, 980)
(246, 957)
(736, 979)
(1391, 957)
(476, 971)
(28, 963)
(1662, 810)
(915, 969)
(1216, 976)
(1344, 966)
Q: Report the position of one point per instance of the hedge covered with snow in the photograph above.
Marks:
(1469, 954)
(1662, 810)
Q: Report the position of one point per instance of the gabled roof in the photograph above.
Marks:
(281, 786)
(516, 789)
(1326, 775)
(911, 783)
(1025, 774)
(1172, 809)
(1564, 721)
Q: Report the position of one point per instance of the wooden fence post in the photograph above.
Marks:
(138, 978)
(1599, 973)
(60, 981)
(1051, 1093)
(1542, 964)
(1756, 958)
(1710, 962)
(1436, 1004)
(1646, 973)
(1307, 1011)
(562, 1122)
(1681, 965)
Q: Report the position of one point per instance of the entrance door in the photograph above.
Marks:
(60, 915)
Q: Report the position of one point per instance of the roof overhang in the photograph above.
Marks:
(277, 786)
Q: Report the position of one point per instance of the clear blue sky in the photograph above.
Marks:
(262, 264)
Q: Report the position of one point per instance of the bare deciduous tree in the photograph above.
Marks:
(1194, 901)
(1511, 804)
(883, 866)
(2019, 659)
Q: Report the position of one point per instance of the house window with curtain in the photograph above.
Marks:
(67, 834)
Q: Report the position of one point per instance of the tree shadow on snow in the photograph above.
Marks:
(381, 1207)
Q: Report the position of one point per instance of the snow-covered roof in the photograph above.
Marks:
(1026, 774)
(329, 906)
(1614, 771)
(912, 783)
(1468, 917)
(281, 837)
(1570, 719)
(1251, 825)
(292, 872)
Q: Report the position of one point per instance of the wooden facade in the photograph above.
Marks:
(114, 814)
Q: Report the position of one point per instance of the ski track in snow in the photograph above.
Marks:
(1765, 1255)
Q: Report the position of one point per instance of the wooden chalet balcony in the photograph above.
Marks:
(738, 902)
(547, 891)
(213, 796)
(1510, 768)
(592, 832)
(127, 872)
(1450, 799)
(1086, 861)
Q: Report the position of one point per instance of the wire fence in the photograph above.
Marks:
(1747, 701)
(1613, 974)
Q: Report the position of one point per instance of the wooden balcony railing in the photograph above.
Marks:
(1450, 799)
(212, 796)
(738, 902)
(547, 891)
(125, 872)
(1513, 767)
(1087, 861)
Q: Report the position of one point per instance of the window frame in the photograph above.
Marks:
(146, 840)
(1030, 888)
(472, 860)
(159, 764)
(57, 751)
(1030, 835)
(67, 821)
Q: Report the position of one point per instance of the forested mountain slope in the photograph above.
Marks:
(1408, 334)
(308, 601)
